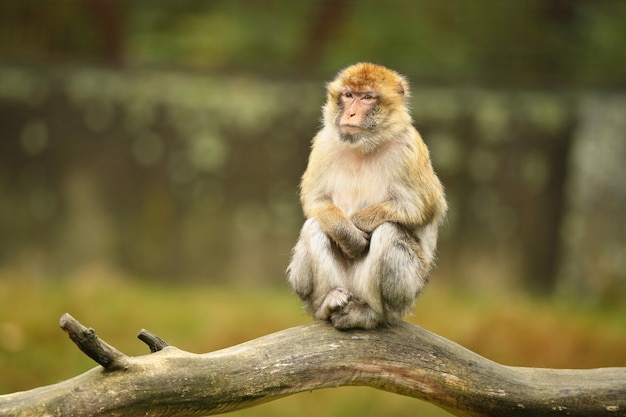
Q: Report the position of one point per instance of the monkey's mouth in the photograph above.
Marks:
(350, 129)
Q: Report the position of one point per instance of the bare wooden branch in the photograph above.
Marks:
(154, 342)
(404, 359)
(88, 341)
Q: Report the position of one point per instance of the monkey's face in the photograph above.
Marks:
(356, 113)
(364, 103)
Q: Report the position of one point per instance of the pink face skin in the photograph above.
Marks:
(356, 105)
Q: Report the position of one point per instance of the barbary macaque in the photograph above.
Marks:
(372, 202)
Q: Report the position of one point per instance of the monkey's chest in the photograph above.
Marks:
(353, 188)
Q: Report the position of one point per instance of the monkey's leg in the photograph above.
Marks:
(387, 282)
(317, 272)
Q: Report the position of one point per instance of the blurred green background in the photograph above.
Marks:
(150, 153)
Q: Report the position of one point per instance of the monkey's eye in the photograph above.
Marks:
(347, 94)
(368, 96)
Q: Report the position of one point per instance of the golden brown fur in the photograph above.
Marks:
(373, 205)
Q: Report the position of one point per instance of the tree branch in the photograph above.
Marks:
(404, 359)
(88, 341)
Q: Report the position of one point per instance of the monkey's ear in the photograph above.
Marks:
(403, 87)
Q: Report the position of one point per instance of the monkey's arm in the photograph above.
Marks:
(369, 218)
(352, 240)
(411, 211)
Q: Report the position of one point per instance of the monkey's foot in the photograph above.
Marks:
(356, 314)
(335, 301)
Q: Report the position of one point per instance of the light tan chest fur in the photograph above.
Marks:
(354, 181)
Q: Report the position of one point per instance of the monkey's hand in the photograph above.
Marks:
(352, 241)
(371, 217)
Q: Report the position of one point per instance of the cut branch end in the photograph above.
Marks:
(88, 341)
(153, 341)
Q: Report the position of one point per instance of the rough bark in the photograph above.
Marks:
(403, 359)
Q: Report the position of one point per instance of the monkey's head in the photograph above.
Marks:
(367, 104)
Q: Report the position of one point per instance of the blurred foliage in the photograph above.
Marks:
(501, 42)
(513, 330)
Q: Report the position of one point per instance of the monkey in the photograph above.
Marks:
(372, 205)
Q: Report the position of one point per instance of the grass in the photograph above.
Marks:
(510, 329)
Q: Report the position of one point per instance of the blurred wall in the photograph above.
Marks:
(168, 174)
